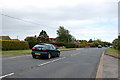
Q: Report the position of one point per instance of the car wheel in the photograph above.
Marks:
(48, 56)
(34, 56)
(58, 54)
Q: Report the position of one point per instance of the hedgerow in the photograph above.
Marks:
(14, 45)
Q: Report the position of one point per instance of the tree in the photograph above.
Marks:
(43, 37)
(90, 41)
(83, 43)
(116, 43)
(31, 39)
(64, 35)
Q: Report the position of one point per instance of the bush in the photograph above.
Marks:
(115, 44)
(58, 44)
(70, 45)
(31, 44)
(67, 45)
(14, 45)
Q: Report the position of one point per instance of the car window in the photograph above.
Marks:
(48, 47)
(39, 46)
(53, 47)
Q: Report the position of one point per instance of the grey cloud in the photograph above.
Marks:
(54, 17)
(62, 13)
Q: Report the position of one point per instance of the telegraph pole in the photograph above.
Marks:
(17, 37)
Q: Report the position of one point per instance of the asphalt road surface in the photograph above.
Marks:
(80, 63)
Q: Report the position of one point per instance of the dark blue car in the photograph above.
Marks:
(45, 50)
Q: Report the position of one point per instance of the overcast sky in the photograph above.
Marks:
(84, 19)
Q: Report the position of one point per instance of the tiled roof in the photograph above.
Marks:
(5, 38)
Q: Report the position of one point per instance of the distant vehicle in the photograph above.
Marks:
(110, 46)
(99, 46)
(45, 50)
(106, 45)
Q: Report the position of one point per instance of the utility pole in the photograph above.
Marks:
(17, 37)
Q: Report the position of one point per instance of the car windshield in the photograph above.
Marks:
(39, 46)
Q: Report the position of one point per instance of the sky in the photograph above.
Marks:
(85, 19)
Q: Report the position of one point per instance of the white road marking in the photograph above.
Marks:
(45, 63)
(56, 60)
(51, 61)
(7, 75)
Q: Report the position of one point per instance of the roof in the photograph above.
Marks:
(15, 39)
(43, 44)
(90, 43)
(5, 38)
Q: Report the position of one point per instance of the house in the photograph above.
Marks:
(89, 44)
(5, 38)
(52, 40)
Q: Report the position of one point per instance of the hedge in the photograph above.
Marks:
(70, 45)
(67, 45)
(31, 44)
(14, 45)
(58, 44)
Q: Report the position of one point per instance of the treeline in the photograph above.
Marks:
(116, 43)
(63, 39)
(66, 45)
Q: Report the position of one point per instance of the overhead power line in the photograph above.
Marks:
(20, 19)
(24, 20)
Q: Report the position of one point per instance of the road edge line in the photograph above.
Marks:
(100, 67)
(6, 75)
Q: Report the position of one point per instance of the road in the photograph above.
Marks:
(80, 63)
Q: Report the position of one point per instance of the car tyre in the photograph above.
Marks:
(48, 56)
(58, 54)
(34, 56)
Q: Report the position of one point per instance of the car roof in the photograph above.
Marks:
(43, 44)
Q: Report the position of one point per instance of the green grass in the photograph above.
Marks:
(15, 52)
(112, 51)
(67, 49)
(21, 52)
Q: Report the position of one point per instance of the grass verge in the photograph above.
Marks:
(112, 51)
(67, 49)
(23, 52)
(15, 52)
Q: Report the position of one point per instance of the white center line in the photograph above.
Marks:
(56, 60)
(45, 63)
(7, 75)
(51, 61)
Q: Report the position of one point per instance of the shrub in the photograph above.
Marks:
(31, 44)
(31, 39)
(70, 45)
(58, 44)
(67, 45)
(14, 45)
(115, 44)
